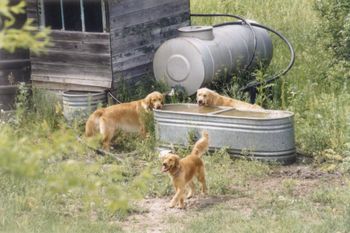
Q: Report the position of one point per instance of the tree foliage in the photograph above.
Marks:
(336, 23)
(24, 36)
(335, 26)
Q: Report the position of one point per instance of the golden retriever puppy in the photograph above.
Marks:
(207, 97)
(125, 116)
(183, 170)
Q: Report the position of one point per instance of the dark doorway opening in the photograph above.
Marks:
(93, 16)
(52, 11)
(72, 15)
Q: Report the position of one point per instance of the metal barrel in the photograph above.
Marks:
(78, 105)
(14, 68)
(266, 136)
(200, 53)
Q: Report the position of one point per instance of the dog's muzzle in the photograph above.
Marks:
(165, 167)
(200, 102)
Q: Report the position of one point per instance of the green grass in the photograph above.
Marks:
(26, 207)
(321, 107)
(52, 183)
(326, 209)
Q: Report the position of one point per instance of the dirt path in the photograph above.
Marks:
(156, 213)
(152, 219)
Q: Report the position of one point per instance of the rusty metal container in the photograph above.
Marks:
(266, 135)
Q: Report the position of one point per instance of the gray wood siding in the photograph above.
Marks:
(138, 27)
(94, 61)
(81, 61)
(32, 10)
(75, 61)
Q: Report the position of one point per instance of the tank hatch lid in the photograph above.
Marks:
(200, 32)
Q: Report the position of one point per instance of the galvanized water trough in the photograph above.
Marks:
(79, 105)
(266, 135)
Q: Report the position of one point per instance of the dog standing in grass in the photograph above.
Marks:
(207, 97)
(183, 170)
(125, 116)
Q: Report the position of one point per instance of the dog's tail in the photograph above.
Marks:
(92, 123)
(201, 146)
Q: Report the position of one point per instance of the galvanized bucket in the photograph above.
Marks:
(78, 105)
(266, 135)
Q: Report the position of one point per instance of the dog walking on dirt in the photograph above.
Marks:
(182, 171)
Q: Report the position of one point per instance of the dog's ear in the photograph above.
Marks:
(210, 98)
(147, 102)
(177, 161)
(163, 154)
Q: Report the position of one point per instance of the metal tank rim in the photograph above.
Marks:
(286, 114)
(71, 93)
(284, 159)
(193, 28)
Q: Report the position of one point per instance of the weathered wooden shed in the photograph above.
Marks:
(14, 68)
(96, 43)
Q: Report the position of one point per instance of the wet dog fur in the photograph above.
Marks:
(207, 97)
(182, 171)
(125, 116)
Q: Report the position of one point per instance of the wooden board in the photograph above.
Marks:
(32, 11)
(138, 28)
(66, 86)
(75, 58)
(97, 60)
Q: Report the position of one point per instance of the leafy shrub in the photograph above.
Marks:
(25, 37)
(316, 89)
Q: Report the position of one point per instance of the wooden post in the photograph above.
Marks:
(42, 13)
(103, 9)
(62, 15)
(82, 15)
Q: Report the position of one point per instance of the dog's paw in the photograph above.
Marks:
(190, 195)
(203, 194)
(171, 205)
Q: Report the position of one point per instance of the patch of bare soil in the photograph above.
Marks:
(156, 212)
(304, 179)
(153, 219)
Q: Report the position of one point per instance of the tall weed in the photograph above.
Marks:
(317, 93)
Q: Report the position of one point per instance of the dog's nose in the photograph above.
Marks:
(164, 164)
(200, 101)
(158, 106)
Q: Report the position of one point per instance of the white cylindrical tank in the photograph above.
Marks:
(202, 52)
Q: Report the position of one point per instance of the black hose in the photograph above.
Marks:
(243, 21)
(276, 76)
(254, 84)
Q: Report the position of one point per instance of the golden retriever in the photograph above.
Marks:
(183, 170)
(207, 97)
(125, 116)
